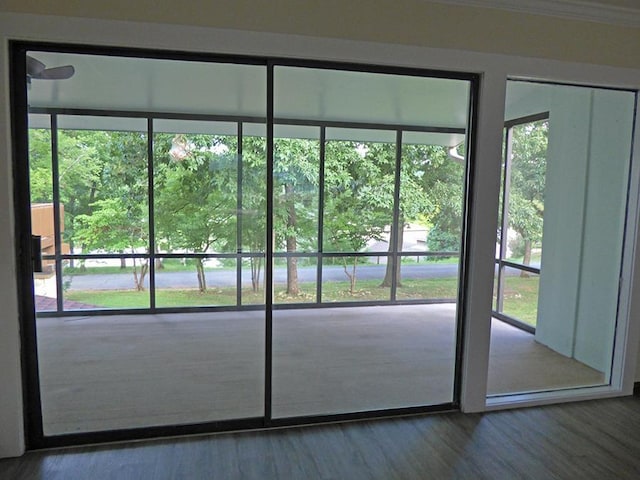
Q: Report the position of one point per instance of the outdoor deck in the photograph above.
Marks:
(110, 372)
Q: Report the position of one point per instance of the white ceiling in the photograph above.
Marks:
(184, 87)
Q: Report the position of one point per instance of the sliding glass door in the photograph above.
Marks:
(150, 300)
(222, 254)
(371, 197)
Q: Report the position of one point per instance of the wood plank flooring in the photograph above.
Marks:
(587, 440)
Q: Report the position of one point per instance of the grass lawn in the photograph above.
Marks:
(520, 300)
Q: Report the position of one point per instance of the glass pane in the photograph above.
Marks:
(353, 357)
(335, 360)
(148, 84)
(358, 193)
(195, 187)
(527, 169)
(566, 199)
(192, 282)
(40, 175)
(125, 371)
(103, 188)
(345, 96)
(106, 372)
(296, 166)
(431, 198)
(106, 283)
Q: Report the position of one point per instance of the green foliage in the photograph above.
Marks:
(112, 226)
(41, 182)
(109, 189)
(444, 182)
(440, 240)
(104, 189)
(528, 170)
(195, 198)
(358, 194)
(296, 167)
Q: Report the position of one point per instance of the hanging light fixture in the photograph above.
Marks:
(179, 148)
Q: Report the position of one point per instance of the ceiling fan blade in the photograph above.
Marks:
(34, 67)
(56, 73)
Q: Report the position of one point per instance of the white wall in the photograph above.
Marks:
(603, 231)
(590, 134)
(494, 70)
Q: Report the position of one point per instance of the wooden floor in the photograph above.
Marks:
(104, 373)
(581, 441)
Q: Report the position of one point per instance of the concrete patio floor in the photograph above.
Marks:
(113, 372)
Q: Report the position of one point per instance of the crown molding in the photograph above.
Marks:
(585, 10)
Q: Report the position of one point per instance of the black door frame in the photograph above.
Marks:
(35, 437)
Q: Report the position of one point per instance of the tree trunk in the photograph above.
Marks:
(388, 275)
(158, 263)
(292, 262)
(351, 276)
(72, 263)
(256, 264)
(202, 280)
(526, 259)
(83, 267)
(123, 263)
(138, 277)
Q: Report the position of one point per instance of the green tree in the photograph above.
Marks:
(40, 179)
(254, 205)
(444, 181)
(82, 155)
(195, 197)
(417, 203)
(118, 216)
(296, 167)
(526, 188)
(114, 225)
(357, 195)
